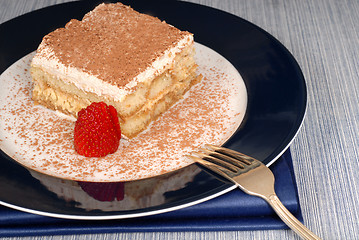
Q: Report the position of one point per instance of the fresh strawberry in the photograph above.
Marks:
(97, 130)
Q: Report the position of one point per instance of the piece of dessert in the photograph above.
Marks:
(132, 61)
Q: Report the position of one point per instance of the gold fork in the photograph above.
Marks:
(250, 175)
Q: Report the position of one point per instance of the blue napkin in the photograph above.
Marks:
(233, 211)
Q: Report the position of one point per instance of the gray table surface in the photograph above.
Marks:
(323, 35)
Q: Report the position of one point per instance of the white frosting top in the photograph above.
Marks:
(91, 83)
(111, 50)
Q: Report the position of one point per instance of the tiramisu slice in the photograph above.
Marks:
(132, 61)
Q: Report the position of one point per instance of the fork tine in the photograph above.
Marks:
(213, 167)
(236, 155)
(226, 158)
(216, 161)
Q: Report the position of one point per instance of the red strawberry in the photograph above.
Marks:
(97, 130)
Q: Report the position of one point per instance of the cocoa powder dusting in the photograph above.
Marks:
(43, 139)
(113, 42)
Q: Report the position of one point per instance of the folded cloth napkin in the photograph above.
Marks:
(232, 211)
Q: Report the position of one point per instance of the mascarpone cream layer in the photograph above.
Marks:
(48, 61)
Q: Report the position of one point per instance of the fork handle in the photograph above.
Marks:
(289, 219)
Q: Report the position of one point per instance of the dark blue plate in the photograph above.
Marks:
(276, 105)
